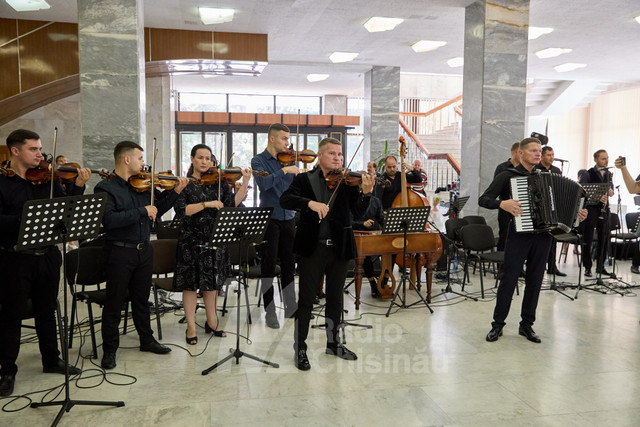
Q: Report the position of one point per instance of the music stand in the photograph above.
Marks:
(406, 220)
(61, 220)
(240, 227)
(595, 191)
(456, 206)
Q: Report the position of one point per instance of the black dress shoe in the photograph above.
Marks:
(59, 369)
(556, 272)
(155, 347)
(271, 319)
(108, 361)
(635, 269)
(302, 361)
(494, 333)
(604, 272)
(341, 351)
(587, 272)
(6, 384)
(527, 331)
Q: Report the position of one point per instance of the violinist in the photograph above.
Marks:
(27, 274)
(325, 243)
(199, 267)
(388, 194)
(127, 255)
(281, 228)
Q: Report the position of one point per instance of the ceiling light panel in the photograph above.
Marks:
(28, 5)
(336, 57)
(317, 77)
(535, 32)
(568, 66)
(427, 45)
(551, 52)
(379, 23)
(455, 62)
(212, 15)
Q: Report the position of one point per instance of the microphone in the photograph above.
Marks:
(560, 160)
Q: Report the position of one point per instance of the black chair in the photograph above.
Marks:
(164, 264)
(452, 227)
(620, 237)
(478, 241)
(84, 269)
(475, 219)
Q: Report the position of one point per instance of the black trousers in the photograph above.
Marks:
(128, 272)
(504, 220)
(600, 225)
(521, 247)
(322, 261)
(551, 259)
(279, 244)
(28, 276)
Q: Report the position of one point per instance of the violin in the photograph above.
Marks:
(228, 175)
(289, 157)
(141, 182)
(4, 169)
(66, 173)
(350, 178)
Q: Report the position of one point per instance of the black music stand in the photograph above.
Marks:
(61, 220)
(456, 206)
(406, 220)
(240, 227)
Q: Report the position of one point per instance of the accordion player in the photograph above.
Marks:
(550, 202)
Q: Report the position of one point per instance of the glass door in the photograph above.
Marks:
(243, 152)
(217, 141)
(187, 141)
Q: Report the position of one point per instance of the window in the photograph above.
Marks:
(210, 102)
(250, 104)
(291, 104)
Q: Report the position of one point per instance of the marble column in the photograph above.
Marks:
(112, 77)
(160, 120)
(381, 111)
(494, 92)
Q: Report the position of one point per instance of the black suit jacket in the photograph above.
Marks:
(346, 204)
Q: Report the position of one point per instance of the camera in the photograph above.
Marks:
(623, 161)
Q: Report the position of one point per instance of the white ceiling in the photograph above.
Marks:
(303, 33)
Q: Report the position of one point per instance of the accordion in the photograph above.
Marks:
(550, 202)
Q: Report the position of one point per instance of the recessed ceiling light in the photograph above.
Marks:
(378, 23)
(569, 66)
(637, 18)
(342, 56)
(551, 52)
(317, 77)
(535, 32)
(456, 62)
(426, 45)
(212, 15)
(28, 5)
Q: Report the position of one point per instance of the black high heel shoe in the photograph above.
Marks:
(209, 330)
(191, 340)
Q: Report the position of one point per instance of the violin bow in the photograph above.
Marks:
(343, 172)
(153, 169)
(297, 135)
(220, 176)
(55, 141)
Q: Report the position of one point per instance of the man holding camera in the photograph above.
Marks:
(634, 188)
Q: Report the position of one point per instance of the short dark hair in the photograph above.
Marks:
(19, 137)
(597, 154)
(375, 165)
(545, 149)
(527, 141)
(277, 127)
(124, 147)
(326, 141)
(580, 172)
(515, 146)
(390, 157)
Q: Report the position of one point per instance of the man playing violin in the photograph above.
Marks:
(29, 274)
(127, 255)
(325, 243)
(281, 229)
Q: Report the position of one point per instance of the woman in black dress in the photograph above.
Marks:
(197, 207)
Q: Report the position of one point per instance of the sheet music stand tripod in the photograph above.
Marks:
(61, 220)
(241, 227)
(456, 206)
(406, 220)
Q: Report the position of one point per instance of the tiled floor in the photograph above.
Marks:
(414, 368)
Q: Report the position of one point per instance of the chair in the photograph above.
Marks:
(617, 236)
(253, 272)
(452, 227)
(168, 230)
(84, 268)
(475, 219)
(164, 263)
(479, 238)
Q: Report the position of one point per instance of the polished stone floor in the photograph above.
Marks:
(414, 369)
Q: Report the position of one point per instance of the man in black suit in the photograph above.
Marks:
(324, 241)
(503, 216)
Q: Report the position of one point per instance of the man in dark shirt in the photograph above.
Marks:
(325, 243)
(519, 247)
(503, 216)
(598, 217)
(128, 257)
(388, 194)
(33, 274)
(546, 165)
(633, 186)
(281, 229)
